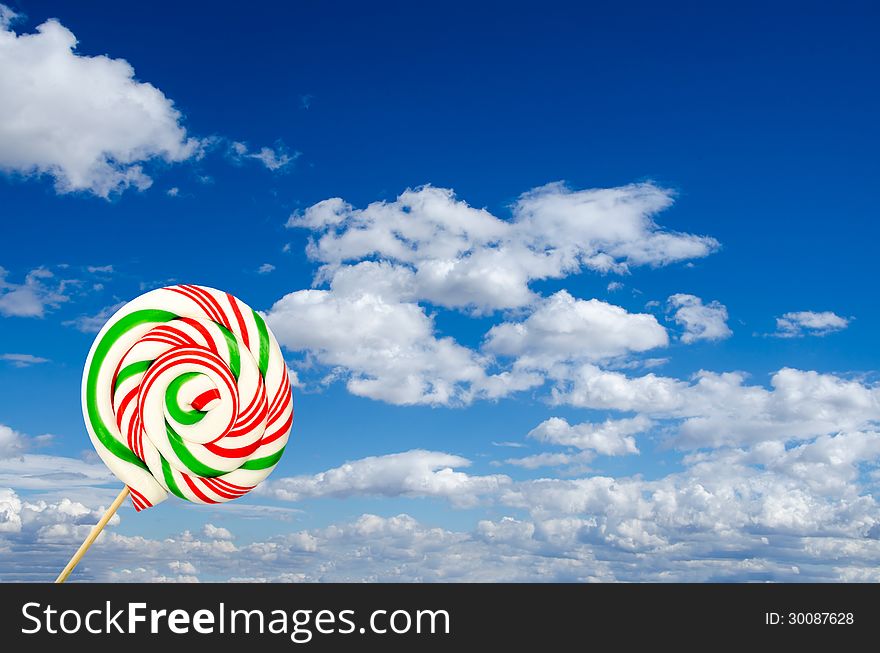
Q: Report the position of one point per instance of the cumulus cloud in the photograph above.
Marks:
(217, 532)
(758, 512)
(10, 504)
(85, 121)
(548, 459)
(415, 473)
(563, 328)
(613, 437)
(11, 442)
(584, 442)
(184, 568)
(23, 360)
(729, 499)
(700, 321)
(809, 323)
(34, 296)
(389, 349)
(385, 264)
(725, 500)
(761, 510)
(715, 409)
(443, 251)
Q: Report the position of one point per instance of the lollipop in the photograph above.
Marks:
(185, 392)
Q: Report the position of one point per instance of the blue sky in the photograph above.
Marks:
(757, 122)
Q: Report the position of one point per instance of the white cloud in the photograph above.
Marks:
(26, 471)
(272, 159)
(727, 500)
(265, 268)
(415, 473)
(614, 286)
(700, 321)
(547, 459)
(809, 323)
(104, 269)
(385, 263)
(609, 228)
(31, 298)
(217, 532)
(10, 503)
(23, 360)
(85, 121)
(12, 442)
(609, 438)
(7, 17)
(388, 348)
(589, 386)
(563, 328)
(93, 323)
(368, 548)
(441, 250)
(762, 512)
(183, 567)
(719, 409)
(174, 191)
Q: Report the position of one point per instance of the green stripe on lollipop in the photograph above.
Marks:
(114, 333)
(140, 367)
(263, 463)
(169, 479)
(192, 463)
(234, 354)
(172, 401)
(264, 343)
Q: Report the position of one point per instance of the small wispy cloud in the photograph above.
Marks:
(93, 323)
(273, 159)
(809, 323)
(265, 268)
(513, 445)
(32, 297)
(539, 460)
(23, 360)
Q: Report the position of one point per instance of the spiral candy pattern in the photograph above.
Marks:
(185, 391)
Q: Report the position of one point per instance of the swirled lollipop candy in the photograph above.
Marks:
(185, 391)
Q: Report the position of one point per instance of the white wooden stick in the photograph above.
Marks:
(92, 536)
